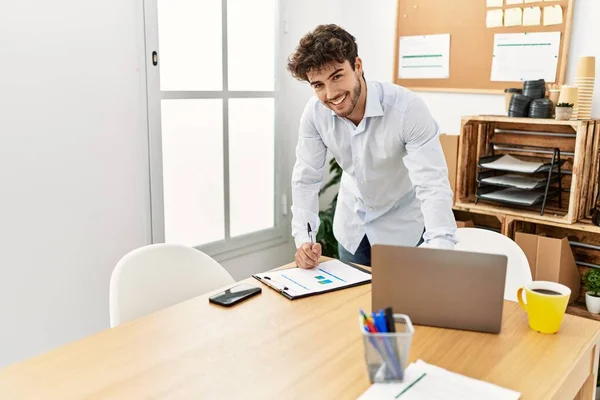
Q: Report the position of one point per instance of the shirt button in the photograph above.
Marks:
(362, 182)
(357, 159)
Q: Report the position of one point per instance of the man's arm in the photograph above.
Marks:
(429, 174)
(307, 178)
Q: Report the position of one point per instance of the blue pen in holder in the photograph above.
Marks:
(386, 353)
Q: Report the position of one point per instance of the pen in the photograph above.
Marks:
(309, 232)
(411, 385)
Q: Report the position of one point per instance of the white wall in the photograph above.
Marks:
(374, 23)
(300, 17)
(73, 166)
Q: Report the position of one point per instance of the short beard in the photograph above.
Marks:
(355, 96)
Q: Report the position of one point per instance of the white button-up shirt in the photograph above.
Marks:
(395, 179)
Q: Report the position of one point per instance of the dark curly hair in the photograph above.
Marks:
(326, 44)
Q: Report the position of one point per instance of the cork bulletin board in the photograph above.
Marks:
(471, 42)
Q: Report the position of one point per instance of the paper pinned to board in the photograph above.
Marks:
(427, 381)
(424, 57)
(525, 56)
(494, 18)
(553, 15)
(510, 2)
(513, 17)
(494, 3)
(532, 16)
(532, 1)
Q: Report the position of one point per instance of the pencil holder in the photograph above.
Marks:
(386, 353)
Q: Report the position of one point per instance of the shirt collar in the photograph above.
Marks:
(373, 104)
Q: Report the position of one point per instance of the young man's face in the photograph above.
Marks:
(338, 86)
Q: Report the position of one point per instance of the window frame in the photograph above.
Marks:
(228, 247)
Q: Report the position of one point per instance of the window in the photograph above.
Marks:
(212, 100)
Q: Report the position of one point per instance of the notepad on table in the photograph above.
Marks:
(328, 276)
(426, 381)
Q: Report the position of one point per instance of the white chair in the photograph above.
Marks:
(477, 240)
(159, 275)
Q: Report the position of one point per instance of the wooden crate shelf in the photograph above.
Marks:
(579, 309)
(578, 142)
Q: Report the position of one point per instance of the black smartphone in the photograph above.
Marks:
(234, 295)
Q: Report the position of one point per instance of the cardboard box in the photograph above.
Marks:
(465, 224)
(551, 259)
(450, 148)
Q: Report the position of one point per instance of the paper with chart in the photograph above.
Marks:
(427, 381)
(327, 276)
(424, 57)
(525, 56)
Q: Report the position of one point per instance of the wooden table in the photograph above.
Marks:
(273, 348)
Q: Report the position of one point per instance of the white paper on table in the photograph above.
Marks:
(553, 15)
(532, 16)
(518, 181)
(509, 2)
(494, 18)
(437, 383)
(424, 56)
(510, 163)
(494, 3)
(525, 56)
(513, 17)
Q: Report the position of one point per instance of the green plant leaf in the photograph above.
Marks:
(325, 234)
(591, 281)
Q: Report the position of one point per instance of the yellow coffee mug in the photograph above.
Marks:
(546, 304)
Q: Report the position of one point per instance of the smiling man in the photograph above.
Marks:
(394, 189)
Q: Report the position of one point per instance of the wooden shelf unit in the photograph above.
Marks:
(578, 142)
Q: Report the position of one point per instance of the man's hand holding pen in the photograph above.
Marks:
(307, 255)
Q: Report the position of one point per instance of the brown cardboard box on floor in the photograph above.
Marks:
(465, 224)
(551, 259)
(450, 148)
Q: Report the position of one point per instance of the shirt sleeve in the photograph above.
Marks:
(428, 173)
(307, 177)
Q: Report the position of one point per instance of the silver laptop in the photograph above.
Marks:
(443, 288)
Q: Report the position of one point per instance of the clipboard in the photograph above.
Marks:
(332, 275)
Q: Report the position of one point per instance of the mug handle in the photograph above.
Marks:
(520, 298)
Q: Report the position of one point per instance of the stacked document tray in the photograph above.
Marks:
(522, 181)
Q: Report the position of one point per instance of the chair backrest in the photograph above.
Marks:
(159, 275)
(478, 240)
